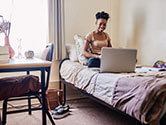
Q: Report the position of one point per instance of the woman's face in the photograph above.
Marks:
(101, 24)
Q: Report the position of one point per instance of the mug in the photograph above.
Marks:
(29, 54)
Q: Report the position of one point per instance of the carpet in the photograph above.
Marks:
(83, 111)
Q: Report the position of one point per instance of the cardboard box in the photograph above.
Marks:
(54, 98)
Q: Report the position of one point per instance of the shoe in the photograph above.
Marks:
(61, 107)
(56, 109)
(58, 116)
(61, 112)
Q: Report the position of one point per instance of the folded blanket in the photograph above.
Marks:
(16, 86)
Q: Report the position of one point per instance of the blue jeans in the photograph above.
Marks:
(94, 62)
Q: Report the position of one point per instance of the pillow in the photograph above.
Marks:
(79, 41)
(71, 51)
(45, 54)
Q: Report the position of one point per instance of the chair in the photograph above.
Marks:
(47, 55)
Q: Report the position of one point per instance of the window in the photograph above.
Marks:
(29, 23)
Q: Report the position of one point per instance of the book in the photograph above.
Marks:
(4, 50)
(4, 56)
(3, 61)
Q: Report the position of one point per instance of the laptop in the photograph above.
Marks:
(118, 60)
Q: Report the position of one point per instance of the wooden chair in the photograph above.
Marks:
(47, 55)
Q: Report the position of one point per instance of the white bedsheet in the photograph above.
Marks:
(101, 85)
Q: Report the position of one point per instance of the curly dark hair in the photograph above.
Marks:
(102, 15)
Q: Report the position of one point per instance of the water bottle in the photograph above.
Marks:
(19, 49)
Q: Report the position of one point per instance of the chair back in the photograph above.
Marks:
(47, 53)
(51, 49)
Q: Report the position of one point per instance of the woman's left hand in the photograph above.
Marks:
(98, 56)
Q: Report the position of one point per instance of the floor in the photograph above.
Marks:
(83, 111)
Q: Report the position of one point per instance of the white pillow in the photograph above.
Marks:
(72, 53)
(79, 41)
(46, 53)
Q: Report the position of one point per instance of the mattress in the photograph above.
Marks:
(101, 85)
(133, 93)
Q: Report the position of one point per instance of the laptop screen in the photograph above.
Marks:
(118, 60)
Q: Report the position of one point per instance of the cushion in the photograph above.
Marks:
(46, 53)
(79, 41)
(72, 53)
(18, 85)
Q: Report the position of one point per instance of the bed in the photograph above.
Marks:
(139, 95)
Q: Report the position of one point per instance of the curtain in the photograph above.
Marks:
(56, 27)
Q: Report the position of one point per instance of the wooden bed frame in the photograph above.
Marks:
(62, 81)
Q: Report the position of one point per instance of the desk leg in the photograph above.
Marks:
(43, 96)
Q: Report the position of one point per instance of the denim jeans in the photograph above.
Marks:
(94, 62)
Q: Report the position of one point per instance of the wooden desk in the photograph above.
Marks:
(27, 65)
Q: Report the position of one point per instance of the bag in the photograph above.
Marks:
(54, 98)
(160, 64)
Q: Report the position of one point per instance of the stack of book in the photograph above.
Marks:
(4, 54)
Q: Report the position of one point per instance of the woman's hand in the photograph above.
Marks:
(98, 56)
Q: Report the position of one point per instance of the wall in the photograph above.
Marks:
(80, 16)
(143, 26)
(54, 75)
(79, 19)
(134, 23)
(115, 22)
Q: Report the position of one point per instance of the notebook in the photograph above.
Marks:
(118, 60)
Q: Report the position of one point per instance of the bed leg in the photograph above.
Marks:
(64, 94)
(138, 123)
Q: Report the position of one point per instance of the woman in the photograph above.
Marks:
(97, 39)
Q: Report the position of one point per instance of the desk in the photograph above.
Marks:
(17, 65)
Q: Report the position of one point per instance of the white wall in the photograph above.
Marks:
(143, 26)
(80, 16)
(137, 24)
(80, 19)
(115, 22)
